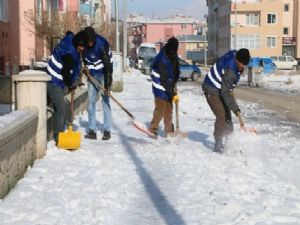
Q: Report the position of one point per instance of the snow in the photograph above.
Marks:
(285, 81)
(10, 118)
(133, 179)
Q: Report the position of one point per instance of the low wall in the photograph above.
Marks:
(18, 132)
(24, 132)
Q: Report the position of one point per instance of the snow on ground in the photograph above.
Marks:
(285, 81)
(135, 180)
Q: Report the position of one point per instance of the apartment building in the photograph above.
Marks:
(146, 30)
(265, 27)
(19, 45)
(3, 35)
(95, 12)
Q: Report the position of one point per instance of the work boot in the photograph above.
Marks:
(91, 135)
(152, 133)
(218, 145)
(106, 135)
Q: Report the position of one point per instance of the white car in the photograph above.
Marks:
(284, 62)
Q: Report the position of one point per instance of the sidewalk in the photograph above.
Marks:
(135, 180)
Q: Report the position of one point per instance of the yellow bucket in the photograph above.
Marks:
(69, 140)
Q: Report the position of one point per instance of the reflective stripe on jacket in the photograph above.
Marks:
(93, 56)
(157, 87)
(55, 63)
(217, 71)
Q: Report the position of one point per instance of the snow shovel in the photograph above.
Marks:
(242, 125)
(69, 139)
(177, 132)
(140, 126)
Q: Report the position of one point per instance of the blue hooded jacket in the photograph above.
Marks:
(159, 89)
(55, 64)
(216, 72)
(92, 56)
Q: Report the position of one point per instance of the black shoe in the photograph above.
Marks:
(106, 135)
(91, 135)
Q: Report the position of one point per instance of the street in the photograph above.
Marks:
(283, 104)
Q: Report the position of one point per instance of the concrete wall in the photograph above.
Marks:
(24, 132)
(17, 147)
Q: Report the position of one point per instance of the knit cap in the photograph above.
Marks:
(243, 56)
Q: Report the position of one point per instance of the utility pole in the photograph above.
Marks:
(124, 34)
(117, 25)
(205, 43)
(235, 26)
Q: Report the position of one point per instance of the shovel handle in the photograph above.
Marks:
(177, 115)
(242, 125)
(72, 105)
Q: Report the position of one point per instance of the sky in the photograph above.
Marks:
(133, 179)
(162, 8)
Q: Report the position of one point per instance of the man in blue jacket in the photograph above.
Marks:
(218, 87)
(98, 59)
(165, 74)
(64, 68)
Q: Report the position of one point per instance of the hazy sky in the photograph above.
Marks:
(162, 8)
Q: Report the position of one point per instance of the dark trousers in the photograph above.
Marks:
(57, 98)
(223, 123)
(163, 110)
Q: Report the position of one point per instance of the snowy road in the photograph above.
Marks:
(284, 104)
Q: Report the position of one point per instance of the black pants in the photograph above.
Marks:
(57, 98)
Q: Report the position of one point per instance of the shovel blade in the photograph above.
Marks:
(69, 140)
(248, 130)
(179, 134)
(142, 127)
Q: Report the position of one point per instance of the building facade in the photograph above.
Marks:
(95, 12)
(265, 27)
(158, 31)
(19, 45)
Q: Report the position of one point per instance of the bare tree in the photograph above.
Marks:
(50, 26)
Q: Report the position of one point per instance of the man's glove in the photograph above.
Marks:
(106, 92)
(175, 99)
(68, 89)
(71, 88)
(85, 70)
(236, 112)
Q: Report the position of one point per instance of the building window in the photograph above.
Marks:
(271, 42)
(3, 10)
(286, 7)
(271, 18)
(250, 41)
(285, 30)
(252, 19)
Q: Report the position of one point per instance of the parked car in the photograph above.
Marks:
(187, 71)
(284, 62)
(145, 51)
(146, 66)
(265, 62)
